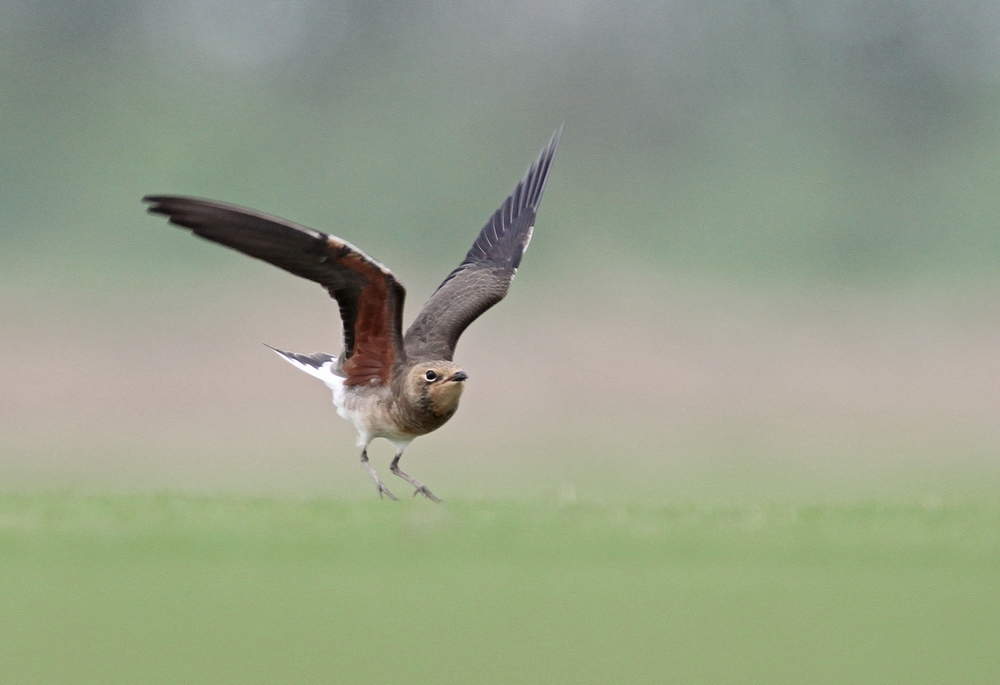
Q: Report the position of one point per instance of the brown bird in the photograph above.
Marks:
(389, 385)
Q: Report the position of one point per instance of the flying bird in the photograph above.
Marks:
(386, 383)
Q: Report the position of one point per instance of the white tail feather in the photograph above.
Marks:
(324, 372)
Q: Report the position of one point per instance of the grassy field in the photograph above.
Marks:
(183, 589)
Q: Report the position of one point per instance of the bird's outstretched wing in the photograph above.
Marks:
(370, 298)
(483, 278)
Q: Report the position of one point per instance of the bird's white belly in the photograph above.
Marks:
(349, 409)
(368, 413)
(365, 408)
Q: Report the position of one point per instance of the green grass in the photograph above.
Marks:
(175, 589)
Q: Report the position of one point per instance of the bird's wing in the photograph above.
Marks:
(370, 298)
(483, 278)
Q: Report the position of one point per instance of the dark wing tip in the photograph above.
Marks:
(188, 212)
(544, 163)
(532, 185)
(157, 203)
(505, 236)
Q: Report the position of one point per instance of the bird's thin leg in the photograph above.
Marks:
(420, 487)
(382, 490)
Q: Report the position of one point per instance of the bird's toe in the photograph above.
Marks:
(422, 490)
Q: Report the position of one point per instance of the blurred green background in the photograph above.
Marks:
(764, 275)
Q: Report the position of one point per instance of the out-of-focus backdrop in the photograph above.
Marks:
(737, 421)
(765, 264)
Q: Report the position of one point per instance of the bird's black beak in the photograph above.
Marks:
(460, 376)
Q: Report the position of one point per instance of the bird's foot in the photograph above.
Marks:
(422, 490)
(384, 491)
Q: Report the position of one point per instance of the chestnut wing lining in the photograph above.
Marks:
(369, 297)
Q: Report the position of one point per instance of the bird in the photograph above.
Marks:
(387, 383)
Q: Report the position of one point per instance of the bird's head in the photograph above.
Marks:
(435, 387)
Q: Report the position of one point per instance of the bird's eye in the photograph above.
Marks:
(430, 375)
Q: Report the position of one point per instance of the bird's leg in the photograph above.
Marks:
(382, 490)
(420, 487)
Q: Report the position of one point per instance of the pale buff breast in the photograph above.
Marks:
(369, 410)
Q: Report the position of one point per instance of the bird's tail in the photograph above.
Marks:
(321, 365)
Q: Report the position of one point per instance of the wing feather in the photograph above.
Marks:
(368, 295)
(483, 277)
